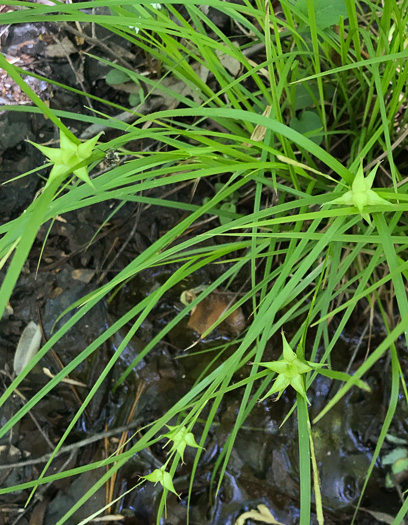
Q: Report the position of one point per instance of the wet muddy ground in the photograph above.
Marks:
(263, 468)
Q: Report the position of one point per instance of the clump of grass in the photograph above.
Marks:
(326, 99)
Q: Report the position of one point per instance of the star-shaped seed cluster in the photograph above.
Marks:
(361, 193)
(180, 437)
(160, 475)
(68, 158)
(290, 370)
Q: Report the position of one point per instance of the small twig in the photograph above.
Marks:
(74, 446)
(100, 268)
(383, 155)
(38, 496)
(110, 485)
(36, 423)
(98, 43)
(126, 116)
(24, 400)
(77, 76)
(79, 28)
(85, 246)
(126, 242)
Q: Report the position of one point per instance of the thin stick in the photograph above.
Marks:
(74, 446)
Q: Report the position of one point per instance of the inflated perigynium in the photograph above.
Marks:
(68, 157)
(361, 193)
(160, 475)
(290, 372)
(180, 437)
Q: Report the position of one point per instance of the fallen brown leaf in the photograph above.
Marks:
(211, 308)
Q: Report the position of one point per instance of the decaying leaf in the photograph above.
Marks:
(263, 515)
(61, 49)
(211, 308)
(259, 132)
(85, 276)
(27, 347)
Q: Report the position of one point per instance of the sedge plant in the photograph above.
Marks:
(329, 233)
